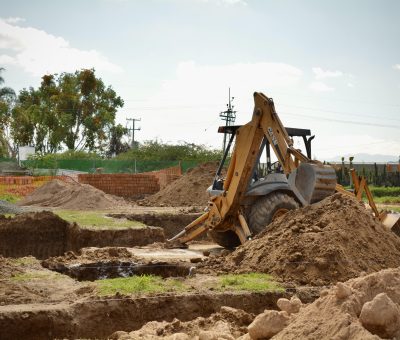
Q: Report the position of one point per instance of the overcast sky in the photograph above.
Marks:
(331, 66)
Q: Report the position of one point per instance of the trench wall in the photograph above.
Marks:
(99, 319)
(44, 235)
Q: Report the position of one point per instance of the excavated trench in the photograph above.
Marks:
(112, 269)
(99, 318)
(44, 235)
(171, 223)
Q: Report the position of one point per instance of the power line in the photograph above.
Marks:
(339, 112)
(342, 121)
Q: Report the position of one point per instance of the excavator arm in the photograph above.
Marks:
(224, 211)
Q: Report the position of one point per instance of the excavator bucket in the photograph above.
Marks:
(392, 222)
(315, 181)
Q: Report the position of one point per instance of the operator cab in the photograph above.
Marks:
(260, 173)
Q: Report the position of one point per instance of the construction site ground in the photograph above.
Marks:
(109, 273)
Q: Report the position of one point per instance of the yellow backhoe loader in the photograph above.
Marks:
(242, 204)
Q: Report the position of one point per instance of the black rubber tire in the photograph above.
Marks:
(227, 239)
(264, 209)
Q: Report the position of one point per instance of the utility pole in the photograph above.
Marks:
(229, 116)
(133, 129)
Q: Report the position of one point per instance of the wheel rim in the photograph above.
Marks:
(279, 213)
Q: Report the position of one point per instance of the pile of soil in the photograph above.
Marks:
(73, 196)
(333, 240)
(227, 322)
(367, 308)
(188, 190)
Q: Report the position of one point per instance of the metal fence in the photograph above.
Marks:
(107, 166)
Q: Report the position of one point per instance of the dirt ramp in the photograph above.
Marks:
(333, 240)
(72, 195)
(188, 190)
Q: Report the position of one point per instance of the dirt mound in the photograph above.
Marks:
(188, 190)
(227, 322)
(362, 308)
(74, 196)
(333, 240)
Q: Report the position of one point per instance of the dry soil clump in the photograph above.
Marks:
(73, 196)
(228, 323)
(188, 190)
(333, 240)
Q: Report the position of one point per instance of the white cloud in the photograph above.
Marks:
(209, 81)
(7, 60)
(226, 2)
(38, 52)
(319, 86)
(321, 74)
(396, 67)
(14, 20)
(330, 146)
(187, 105)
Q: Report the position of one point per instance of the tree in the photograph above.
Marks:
(7, 97)
(116, 145)
(75, 110)
(157, 150)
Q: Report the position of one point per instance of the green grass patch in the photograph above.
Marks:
(11, 198)
(393, 208)
(387, 199)
(139, 284)
(35, 275)
(96, 219)
(24, 261)
(385, 191)
(255, 282)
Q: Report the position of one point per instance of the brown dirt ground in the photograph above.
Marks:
(73, 196)
(333, 240)
(24, 281)
(188, 190)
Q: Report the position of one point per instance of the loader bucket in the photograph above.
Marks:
(315, 181)
(392, 222)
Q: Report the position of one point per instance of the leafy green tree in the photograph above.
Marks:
(156, 150)
(75, 110)
(116, 145)
(7, 97)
